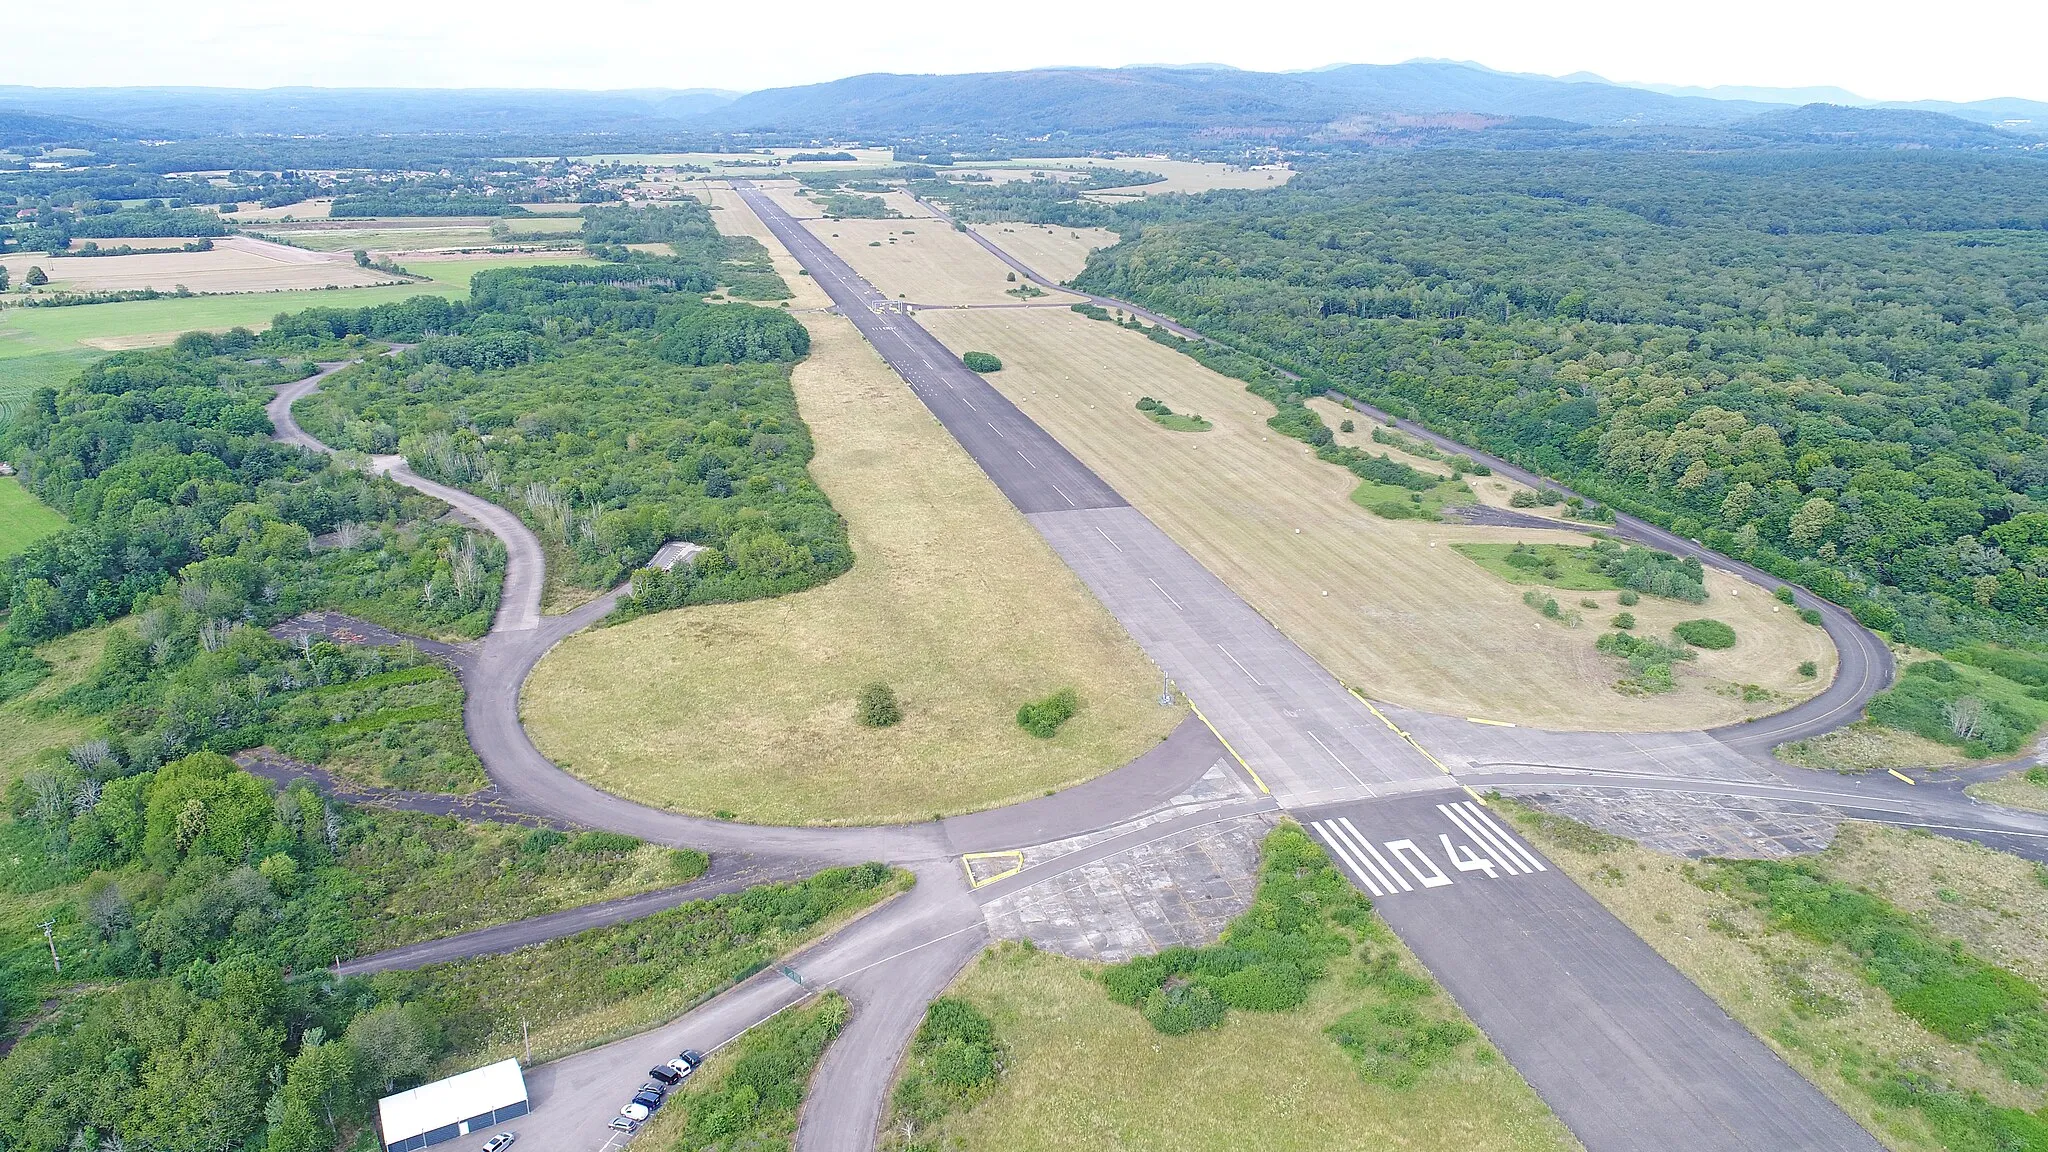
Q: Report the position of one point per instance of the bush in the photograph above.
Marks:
(1711, 634)
(1042, 718)
(1808, 669)
(1629, 598)
(981, 362)
(876, 707)
(1625, 621)
(1784, 594)
(1347, 426)
(1810, 615)
(1268, 957)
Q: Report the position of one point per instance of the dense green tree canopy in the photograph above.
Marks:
(1830, 363)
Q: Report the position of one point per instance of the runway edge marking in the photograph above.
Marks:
(1397, 730)
(1221, 739)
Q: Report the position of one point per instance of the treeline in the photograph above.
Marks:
(195, 909)
(614, 410)
(162, 459)
(53, 230)
(1829, 364)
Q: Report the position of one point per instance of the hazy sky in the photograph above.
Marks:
(1964, 50)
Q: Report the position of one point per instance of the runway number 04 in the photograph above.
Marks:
(1482, 846)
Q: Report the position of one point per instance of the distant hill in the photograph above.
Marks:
(1098, 100)
(1871, 127)
(189, 112)
(34, 128)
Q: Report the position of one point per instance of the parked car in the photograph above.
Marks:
(667, 1075)
(692, 1057)
(648, 1097)
(685, 1064)
(500, 1142)
(625, 1125)
(634, 1110)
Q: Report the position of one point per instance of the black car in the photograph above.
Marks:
(666, 1075)
(692, 1057)
(649, 1096)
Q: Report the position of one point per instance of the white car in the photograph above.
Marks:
(500, 1142)
(634, 1110)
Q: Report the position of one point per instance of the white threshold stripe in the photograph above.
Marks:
(1344, 854)
(1359, 841)
(1485, 842)
(1487, 821)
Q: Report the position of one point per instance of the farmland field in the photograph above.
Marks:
(23, 518)
(1058, 254)
(41, 347)
(236, 264)
(748, 708)
(1406, 617)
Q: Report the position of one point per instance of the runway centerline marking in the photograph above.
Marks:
(1112, 542)
(1337, 758)
(1164, 592)
(1027, 460)
(1063, 493)
(1234, 660)
(992, 428)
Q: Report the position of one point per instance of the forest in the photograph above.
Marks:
(612, 418)
(1828, 363)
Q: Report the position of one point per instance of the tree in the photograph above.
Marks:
(1965, 716)
(876, 707)
(1811, 522)
(36, 277)
(3, 277)
(394, 1043)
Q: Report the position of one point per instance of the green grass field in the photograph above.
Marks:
(23, 518)
(1373, 496)
(43, 346)
(1555, 565)
(1180, 422)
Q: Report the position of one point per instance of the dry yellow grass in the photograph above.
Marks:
(1084, 1073)
(953, 601)
(1994, 902)
(1865, 747)
(733, 218)
(1058, 254)
(1406, 618)
(1493, 491)
(925, 262)
(236, 264)
(2013, 790)
(303, 210)
(1809, 1001)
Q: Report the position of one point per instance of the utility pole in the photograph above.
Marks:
(50, 935)
(525, 1035)
(1165, 690)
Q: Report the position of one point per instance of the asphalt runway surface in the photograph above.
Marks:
(1626, 1050)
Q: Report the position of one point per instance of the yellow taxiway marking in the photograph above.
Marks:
(1413, 744)
(967, 862)
(1489, 723)
(1902, 775)
(1241, 762)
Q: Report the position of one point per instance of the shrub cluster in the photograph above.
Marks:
(954, 1061)
(1042, 718)
(981, 362)
(875, 706)
(1709, 634)
(1268, 956)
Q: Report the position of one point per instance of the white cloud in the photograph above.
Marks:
(1968, 50)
